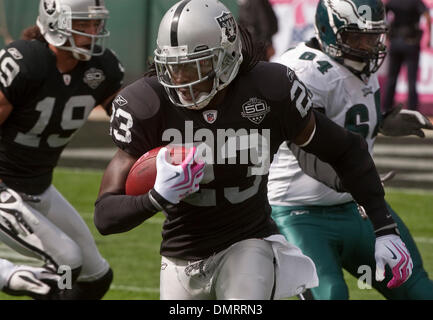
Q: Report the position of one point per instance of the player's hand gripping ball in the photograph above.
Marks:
(141, 177)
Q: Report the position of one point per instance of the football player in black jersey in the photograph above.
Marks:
(232, 112)
(48, 87)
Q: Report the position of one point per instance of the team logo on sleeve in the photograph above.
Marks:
(94, 77)
(210, 116)
(255, 110)
(291, 75)
(121, 101)
(367, 90)
(228, 25)
(15, 53)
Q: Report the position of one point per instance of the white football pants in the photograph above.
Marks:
(244, 271)
(59, 235)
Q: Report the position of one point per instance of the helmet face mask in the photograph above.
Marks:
(64, 23)
(190, 80)
(353, 32)
(192, 63)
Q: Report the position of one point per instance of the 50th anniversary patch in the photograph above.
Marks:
(255, 110)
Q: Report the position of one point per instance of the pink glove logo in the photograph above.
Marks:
(175, 182)
(390, 250)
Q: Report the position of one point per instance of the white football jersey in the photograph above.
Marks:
(346, 100)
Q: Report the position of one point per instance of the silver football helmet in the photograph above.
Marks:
(198, 43)
(55, 23)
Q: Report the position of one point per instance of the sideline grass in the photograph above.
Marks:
(134, 256)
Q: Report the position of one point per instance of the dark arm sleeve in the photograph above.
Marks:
(348, 155)
(317, 169)
(116, 213)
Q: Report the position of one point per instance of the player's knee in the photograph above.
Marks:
(70, 255)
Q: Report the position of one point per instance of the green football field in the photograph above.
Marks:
(134, 256)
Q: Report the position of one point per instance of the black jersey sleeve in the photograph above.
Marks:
(315, 168)
(298, 104)
(135, 119)
(22, 68)
(289, 99)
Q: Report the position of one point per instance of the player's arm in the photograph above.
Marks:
(116, 212)
(5, 108)
(348, 155)
(322, 171)
(313, 167)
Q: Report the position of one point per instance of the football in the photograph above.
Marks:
(141, 177)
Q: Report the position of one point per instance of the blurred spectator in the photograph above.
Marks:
(258, 17)
(405, 37)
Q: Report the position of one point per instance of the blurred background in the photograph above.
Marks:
(134, 24)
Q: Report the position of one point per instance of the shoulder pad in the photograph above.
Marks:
(31, 56)
(272, 80)
(139, 98)
(111, 64)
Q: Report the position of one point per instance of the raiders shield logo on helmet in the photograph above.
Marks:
(228, 25)
(50, 6)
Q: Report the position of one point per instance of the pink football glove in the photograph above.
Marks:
(175, 182)
(392, 251)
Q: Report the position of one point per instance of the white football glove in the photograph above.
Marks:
(390, 250)
(405, 122)
(175, 182)
(34, 282)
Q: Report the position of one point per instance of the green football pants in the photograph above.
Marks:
(337, 237)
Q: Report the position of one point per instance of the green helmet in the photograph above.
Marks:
(353, 32)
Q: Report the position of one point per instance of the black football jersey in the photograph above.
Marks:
(48, 108)
(261, 109)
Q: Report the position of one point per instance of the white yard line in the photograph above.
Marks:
(133, 288)
(89, 153)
